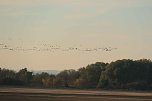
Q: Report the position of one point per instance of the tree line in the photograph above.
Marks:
(120, 74)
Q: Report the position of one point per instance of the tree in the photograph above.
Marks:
(48, 81)
(7, 77)
(89, 76)
(127, 74)
(68, 77)
(39, 79)
(24, 76)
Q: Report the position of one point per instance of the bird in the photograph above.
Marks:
(11, 49)
(54, 47)
(109, 49)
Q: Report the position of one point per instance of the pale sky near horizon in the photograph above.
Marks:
(122, 24)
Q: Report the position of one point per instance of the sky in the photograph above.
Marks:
(41, 34)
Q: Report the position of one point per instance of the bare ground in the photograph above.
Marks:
(28, 94)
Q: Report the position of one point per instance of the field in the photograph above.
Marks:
(28, 94)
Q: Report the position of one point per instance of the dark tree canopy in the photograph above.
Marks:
(128, 74)
(121, 74)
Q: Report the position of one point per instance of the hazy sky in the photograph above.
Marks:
(122, 24)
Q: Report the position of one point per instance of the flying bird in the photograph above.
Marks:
(52, 48)
(109, 49)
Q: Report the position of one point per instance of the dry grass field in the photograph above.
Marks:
(27, 94)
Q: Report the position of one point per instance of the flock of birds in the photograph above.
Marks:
(52, 48)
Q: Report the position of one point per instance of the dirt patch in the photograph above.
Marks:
(27, 94)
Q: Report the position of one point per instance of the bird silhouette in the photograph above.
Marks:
(53, 48)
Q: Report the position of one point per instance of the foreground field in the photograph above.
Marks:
(25, 94)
